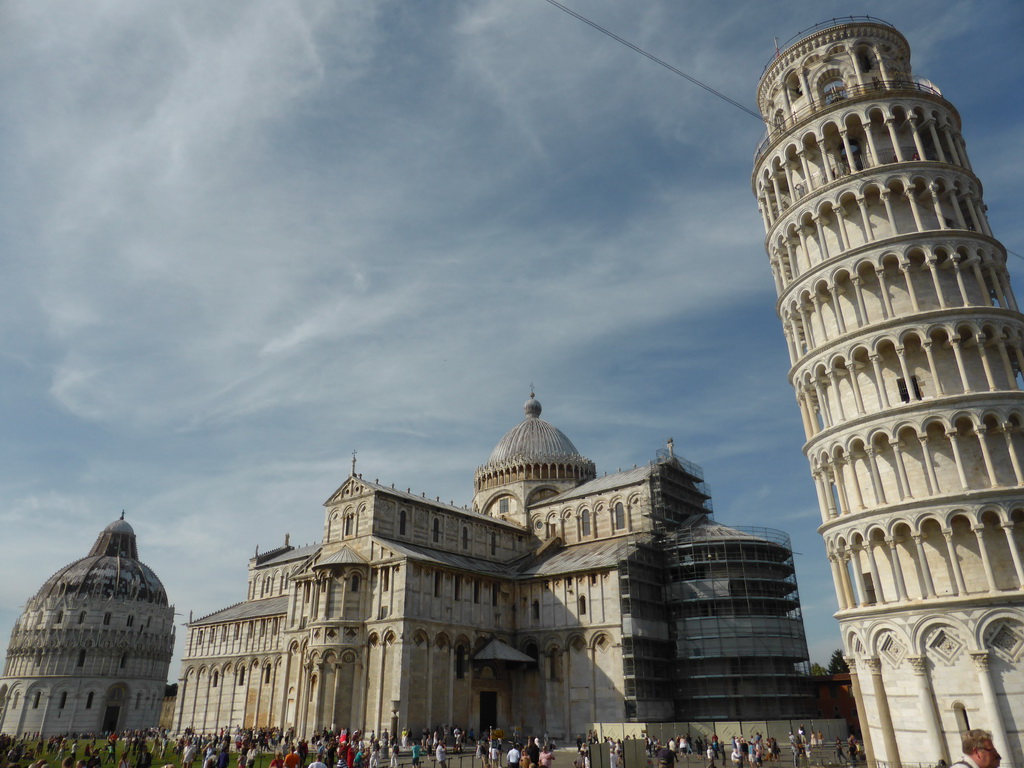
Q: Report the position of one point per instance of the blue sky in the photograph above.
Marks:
(242, 240)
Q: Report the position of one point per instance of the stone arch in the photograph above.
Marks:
(854, 643)
(991, 625)
(941, 638)
(888, 641)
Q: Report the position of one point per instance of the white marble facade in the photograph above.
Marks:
(907, 347)
(413, 613)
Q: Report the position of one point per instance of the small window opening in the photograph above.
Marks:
(460, 662)
(901, 385)
(834, 90)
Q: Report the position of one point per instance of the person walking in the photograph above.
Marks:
(189, 755)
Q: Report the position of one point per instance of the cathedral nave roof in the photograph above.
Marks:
(248, 609)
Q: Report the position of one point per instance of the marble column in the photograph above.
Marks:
(858, 697)
(892, 751)
(934, 743)
(993, 717)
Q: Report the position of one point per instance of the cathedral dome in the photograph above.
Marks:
(111, 570)
(533, 439)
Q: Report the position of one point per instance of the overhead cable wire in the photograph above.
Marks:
(656, 60)
(676, 70)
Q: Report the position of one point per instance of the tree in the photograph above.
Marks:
(837, 664)
(817, 670)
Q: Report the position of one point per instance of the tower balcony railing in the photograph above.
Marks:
(822, 25)
(784, 123)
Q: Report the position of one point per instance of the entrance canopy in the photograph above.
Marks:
(496, 650)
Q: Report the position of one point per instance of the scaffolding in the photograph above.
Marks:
(711, 622)
(647, 648)
(678, 494)
(740, 647)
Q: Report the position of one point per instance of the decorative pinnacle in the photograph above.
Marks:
(353, 463)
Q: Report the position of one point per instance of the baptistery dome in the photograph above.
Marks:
(111, 570)
(90, 652)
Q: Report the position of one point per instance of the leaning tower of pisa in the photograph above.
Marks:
(907, 348)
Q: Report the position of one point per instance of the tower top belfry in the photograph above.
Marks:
(859, 51)
(906, 346)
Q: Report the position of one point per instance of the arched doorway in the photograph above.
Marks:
(114, 703)
(3, 704)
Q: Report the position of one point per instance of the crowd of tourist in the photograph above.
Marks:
(805, 747)
(271, 748)
(130, 749)
(247, 748)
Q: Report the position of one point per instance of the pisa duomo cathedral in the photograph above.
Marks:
(558, 600)
(907, 348)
